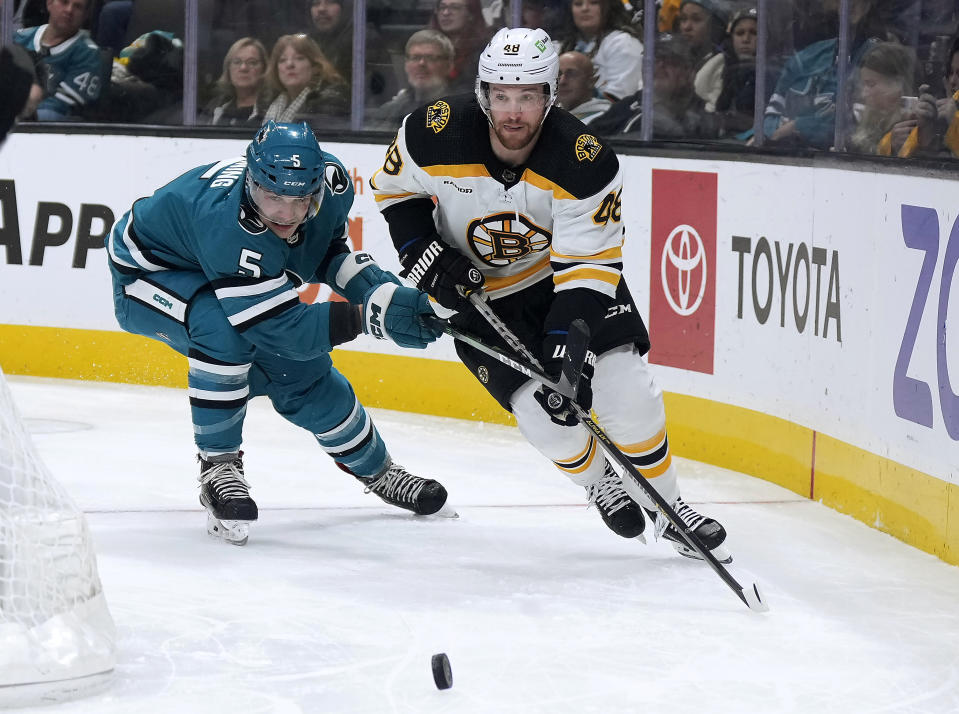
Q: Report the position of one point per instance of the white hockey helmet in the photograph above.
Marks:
(517, 55)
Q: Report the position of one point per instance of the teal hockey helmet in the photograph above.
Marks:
(286, 159)
(285, 171)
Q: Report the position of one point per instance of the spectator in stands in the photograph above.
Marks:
(68, 58)
(703, 24)
(222, 22)
(938, 119)
(678, 113)
(19, 91)
(307, 85)
(112, 24)
(884, 78)
(727, 82)
(240, 92)
(601, 30)
(462, 22)
(429, 58)
(739, 41)
(576, 88)
(332, 22)
(802, 108)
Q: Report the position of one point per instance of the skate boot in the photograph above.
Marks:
(709, 531)
(225, 494)
(398, 487)
(620, 513)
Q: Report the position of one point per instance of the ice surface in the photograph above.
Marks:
(339, 601)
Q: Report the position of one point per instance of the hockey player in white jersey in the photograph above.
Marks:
(528, 210)
(210, 263)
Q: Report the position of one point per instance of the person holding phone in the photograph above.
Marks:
(884, 112)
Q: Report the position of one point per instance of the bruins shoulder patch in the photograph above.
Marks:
(438, 116)
(587, 147)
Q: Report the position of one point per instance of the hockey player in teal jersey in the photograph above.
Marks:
(68, 58)
(210, 264)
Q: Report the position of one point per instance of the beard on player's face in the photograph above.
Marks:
(516, 131)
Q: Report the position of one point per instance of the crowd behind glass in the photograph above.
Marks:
(876, 77)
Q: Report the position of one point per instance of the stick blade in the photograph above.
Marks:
(753, 598)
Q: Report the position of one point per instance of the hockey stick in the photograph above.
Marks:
(483, 308)
(576, 346)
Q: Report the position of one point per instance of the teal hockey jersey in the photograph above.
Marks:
(73, 72)
(201, 232)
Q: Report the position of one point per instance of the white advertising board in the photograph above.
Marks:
(833, 298)
(821, 296)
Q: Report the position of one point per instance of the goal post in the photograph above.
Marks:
(57, 638)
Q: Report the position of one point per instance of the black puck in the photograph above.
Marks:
(442, 672)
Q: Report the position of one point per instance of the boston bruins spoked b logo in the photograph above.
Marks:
(502, 238)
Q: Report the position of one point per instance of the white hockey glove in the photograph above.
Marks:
(398, 313)
(357, 273)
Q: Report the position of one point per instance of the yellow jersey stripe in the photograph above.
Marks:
(458, 170)
(658, 470)
(378, 197)
(543, 183)
(581, 454)
(609, 254)
(643, 446)
(585, 465)
(588, 274)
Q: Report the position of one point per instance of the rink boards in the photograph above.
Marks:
(799, 314)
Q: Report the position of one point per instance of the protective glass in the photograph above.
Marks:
(284, 210)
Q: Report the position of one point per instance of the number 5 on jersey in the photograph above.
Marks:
(248, 264)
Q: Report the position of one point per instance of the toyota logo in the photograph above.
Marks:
(684, 251)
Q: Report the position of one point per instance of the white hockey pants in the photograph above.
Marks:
(628, 405)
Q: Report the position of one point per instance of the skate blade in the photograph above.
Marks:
(233, 532)
(446, 511)
(720, 552)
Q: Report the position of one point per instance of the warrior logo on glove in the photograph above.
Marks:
(440, 270)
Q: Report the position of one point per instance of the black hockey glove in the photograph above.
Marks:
(441, 270)
(556, 405)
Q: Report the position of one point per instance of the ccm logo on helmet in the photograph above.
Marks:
(294, 183)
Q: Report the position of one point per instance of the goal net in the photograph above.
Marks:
(56, 633)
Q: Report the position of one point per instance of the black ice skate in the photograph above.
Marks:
(709, 531)
(398, 487)
(620, 513)
(225, 494)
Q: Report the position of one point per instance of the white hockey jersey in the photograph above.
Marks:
(558, 214)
